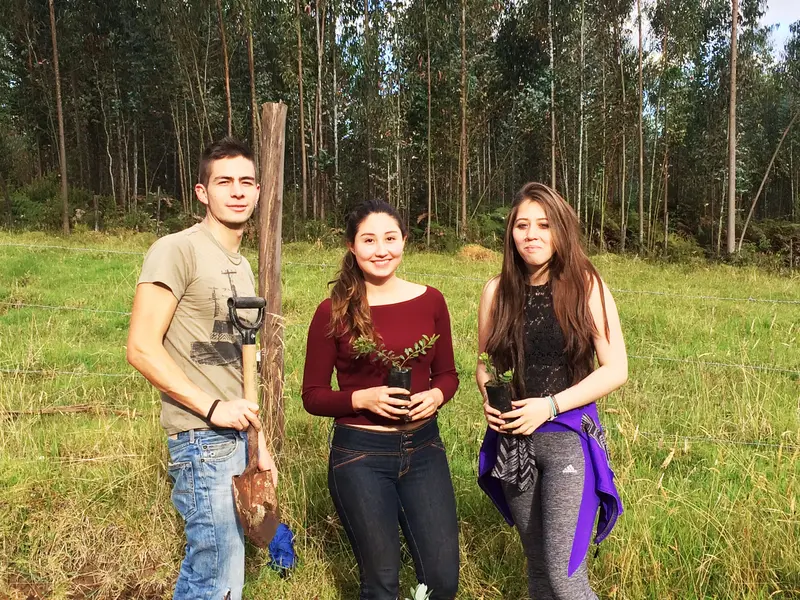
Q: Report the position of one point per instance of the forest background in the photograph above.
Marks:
(442, 108)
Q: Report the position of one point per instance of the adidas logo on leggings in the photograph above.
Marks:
(569, 469)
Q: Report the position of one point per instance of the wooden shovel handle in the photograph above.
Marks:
(251, 395)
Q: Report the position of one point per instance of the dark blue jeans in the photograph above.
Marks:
(379, 479)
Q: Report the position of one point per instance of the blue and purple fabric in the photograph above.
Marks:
(281, 550)
(598, 491)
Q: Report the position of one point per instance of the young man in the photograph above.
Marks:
(182, 341)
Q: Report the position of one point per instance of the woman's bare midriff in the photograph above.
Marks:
(391, 428)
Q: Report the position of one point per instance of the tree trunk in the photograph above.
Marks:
(158, 210)
(791, 181)
(188, 161)
(580, 128)
(108, 139)
(430, 169)
(201, 92)
(273, 142)
(304, 164)
(764, 180)
(62, 151)
(731, 245)
(487, 160)
(368, 74)
(127, 163)
(463, 144)
(79, 145)
(7, 197)
(180, 158)
(254, 121)
(319, 31)
(398, 168)
(623, 230)
(641, 132)
(665, 94)
(666, 188)
(135, 166)
(144, 170)
(604, 181)
(225, 64)
(552, 96)
(123, 199)
(564, 165)
(649, 238)
(335, 102)
(722, 205)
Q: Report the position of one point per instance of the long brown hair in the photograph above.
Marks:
(571, 277)
(349, 307)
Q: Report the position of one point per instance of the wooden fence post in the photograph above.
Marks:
(273, 141)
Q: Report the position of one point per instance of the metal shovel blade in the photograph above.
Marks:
(255, 498)
(257, 506)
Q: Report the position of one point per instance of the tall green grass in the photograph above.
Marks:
(84, 497)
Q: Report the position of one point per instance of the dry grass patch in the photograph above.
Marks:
(478, 253)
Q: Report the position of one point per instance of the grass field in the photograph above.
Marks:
(84, 497)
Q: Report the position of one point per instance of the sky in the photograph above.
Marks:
(784, 12)
(778, 12)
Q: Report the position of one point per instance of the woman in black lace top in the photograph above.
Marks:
(548, 316)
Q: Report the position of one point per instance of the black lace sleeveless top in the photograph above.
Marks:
(546, 372)
(546, 368)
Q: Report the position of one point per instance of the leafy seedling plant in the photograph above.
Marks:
(496, 377)
(399, 374)
(365, 346)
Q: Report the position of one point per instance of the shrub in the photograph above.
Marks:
(681, 249)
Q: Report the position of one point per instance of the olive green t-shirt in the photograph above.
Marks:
(202, 275)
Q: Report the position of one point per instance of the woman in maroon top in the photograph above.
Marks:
(385, 470)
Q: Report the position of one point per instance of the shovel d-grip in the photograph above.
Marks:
(246, 328)
(253, 491)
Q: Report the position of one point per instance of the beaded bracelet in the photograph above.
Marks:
(553, 412)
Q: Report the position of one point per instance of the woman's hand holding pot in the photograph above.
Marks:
(425, 404)
(379, 401)
(528, 415)
(492, 416)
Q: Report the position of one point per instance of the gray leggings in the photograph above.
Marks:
(546, 515)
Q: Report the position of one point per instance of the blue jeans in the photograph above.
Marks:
(202, 463)
(381, 479)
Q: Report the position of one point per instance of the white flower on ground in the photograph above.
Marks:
(421, 592)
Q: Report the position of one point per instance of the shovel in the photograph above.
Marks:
(253, 492)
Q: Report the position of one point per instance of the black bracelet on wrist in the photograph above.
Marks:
(211, 410)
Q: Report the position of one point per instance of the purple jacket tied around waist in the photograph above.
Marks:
(598, 488)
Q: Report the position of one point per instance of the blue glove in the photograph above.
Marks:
(281, 550)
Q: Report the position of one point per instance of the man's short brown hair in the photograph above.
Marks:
(227, 147)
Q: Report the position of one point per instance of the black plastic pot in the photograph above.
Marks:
(499, 395)
(400, 378)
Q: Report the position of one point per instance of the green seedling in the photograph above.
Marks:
(365, 346)
(494, 374)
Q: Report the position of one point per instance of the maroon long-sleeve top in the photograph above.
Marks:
(400, 326)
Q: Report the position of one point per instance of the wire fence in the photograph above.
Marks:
(666, 439)
(75, 308)
(59, 373)
(745, 299)
(674, 359)
(96, 250)
(661, 437)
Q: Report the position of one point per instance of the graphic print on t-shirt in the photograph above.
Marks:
(225, 342)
